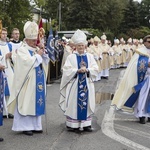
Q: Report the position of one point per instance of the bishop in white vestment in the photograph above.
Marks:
(27, 101)
(77, 99)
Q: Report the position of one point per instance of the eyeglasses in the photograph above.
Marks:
(148, 41)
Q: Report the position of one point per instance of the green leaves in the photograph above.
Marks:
(113, 16)
(16, 13)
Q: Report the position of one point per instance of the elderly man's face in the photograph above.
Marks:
(147, 43)
(80, 48)
(32, 43)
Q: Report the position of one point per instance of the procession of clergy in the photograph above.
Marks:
(106, 55)
(24, 67)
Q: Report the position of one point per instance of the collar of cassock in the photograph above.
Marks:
(13, 41)
(3, 42)
(29, 47)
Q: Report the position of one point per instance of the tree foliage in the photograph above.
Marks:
(81, 14)
(14, 13)
(131, 17)
(144, 13)
(114, 17)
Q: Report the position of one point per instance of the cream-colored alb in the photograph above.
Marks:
(23, 91)
(128, 81)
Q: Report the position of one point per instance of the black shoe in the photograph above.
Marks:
(148, 120)
(88, 129)
(69, 128)
(142, 120)
(10, 116)
(77, 130)
(37, 131)
(72, 129)
(1, 139)
(30, 133)
(4, 116)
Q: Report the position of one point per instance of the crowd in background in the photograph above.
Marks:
(107, 55)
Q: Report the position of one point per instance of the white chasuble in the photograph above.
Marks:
(24, 83)
(69, 86)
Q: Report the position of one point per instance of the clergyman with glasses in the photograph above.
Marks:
(133, 93)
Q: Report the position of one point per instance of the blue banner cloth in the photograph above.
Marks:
(50, 46)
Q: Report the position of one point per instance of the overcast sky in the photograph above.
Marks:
(138, 0)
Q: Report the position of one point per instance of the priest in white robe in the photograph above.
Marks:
(6, 60)
(105, 49)
(133, 93)
(16, 43)
(27, 101)
(77, 99)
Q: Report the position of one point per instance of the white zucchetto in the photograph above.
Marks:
(79, 37)
(31, 30)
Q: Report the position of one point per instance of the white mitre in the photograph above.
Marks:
(91, 40)
(141, 40)
(134, 40)
(79, 37)
(103, 37)
(122, 40)
(31, 30)
(70, 41)
(130, 40)
(116, 41)
(96, 39)
(64, 38)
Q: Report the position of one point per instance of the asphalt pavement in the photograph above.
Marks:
(112, 130)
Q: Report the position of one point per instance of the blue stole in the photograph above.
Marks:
(142, 66)
(1, 97)
(10, 47)
(82, 92)
(40, 90)
(7, 93)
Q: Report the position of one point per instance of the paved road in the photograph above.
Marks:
(112, 130)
